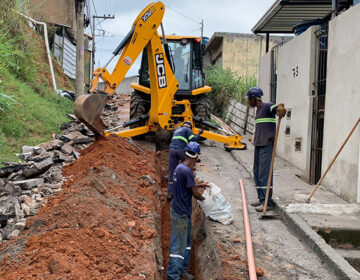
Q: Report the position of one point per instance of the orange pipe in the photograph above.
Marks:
(249, 247)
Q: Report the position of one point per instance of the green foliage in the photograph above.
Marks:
(31, 122)
(227, 85)
(30, 111)
(16, 49)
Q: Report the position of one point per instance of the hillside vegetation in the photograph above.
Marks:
(30, 110)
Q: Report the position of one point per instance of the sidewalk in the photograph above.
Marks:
(334, 218)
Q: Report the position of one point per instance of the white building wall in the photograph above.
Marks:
(342, 105)
(296, 63)
(264, 78)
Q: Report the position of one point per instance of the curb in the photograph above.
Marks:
(331, 258)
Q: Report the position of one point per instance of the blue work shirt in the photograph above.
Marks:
(183, 181)
(265, 124)
(182, 137)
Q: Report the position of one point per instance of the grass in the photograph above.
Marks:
(30, 111)
(32, 119)
(227, 85)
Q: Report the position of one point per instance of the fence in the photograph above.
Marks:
(236, 118)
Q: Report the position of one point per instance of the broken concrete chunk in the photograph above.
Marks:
(30, 183)
(44, 164)
(13, 167)
(76, 154)
(52, 145)
(28, 200)
(26, 209)
(15, 233)
(20, 225)
(7, 207)
(67, 148)
(59, 157)
(39, 150)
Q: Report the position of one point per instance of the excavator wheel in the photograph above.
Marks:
(202, 110)
(138, 107)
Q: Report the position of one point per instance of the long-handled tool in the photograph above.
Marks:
(335, 157)
(271, 169)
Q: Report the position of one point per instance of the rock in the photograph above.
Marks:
(26, 209)
(39, 197)
(1, 238)
(28, 200)
(11, 189)
(27, 193)
(76, 154)
(2, 182)
(67, 148)
(15, 233)
(98, 186)
(18, 211)
(148, 178)
(7, 206)
(45, 190)
(30, 183)
(20, 225)
(24, 156)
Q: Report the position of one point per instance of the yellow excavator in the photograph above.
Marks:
(169, 91)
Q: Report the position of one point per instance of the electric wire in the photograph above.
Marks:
(176, 11)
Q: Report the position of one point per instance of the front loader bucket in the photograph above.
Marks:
(88, 109)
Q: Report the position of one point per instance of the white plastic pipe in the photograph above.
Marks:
(47, 46)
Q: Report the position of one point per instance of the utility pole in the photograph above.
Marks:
(202, 30)
(93, 40)
(80, 47)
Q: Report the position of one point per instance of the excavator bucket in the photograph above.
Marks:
(88, 109)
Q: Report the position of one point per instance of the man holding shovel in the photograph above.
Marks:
(265, 128)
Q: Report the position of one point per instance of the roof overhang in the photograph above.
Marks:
(283, 15)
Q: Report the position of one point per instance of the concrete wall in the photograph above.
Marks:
(296, 64)
(342, 105)
(264, 76)
(238, 51)
(60, 12)
(124, 87)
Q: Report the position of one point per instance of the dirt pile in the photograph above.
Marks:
(104, 224)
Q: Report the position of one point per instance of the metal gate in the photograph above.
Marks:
(318, 104)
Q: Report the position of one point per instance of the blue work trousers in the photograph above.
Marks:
(175, 157)
(180, 245)
(262, 162)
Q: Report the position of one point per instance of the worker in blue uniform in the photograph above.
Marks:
(183, 188)
(265, 128)
(182, 136)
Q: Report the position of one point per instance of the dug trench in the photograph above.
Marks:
(110, 221)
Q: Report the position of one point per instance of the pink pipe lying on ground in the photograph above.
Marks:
(249, 247)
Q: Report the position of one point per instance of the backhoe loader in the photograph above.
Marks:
(169, 91)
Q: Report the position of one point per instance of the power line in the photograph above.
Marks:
(176, 11)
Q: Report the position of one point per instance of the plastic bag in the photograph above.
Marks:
(215, 205)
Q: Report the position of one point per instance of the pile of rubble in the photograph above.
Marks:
(25, 185)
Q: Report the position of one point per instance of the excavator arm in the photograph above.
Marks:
(163, 83)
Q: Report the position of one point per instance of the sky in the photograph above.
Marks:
(182, 17)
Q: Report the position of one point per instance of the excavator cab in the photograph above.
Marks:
(186, 62)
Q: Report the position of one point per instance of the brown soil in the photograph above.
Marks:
(104, 224)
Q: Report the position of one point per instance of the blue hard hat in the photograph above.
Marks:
(192, 149)
(255, 92)
(187, 124)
